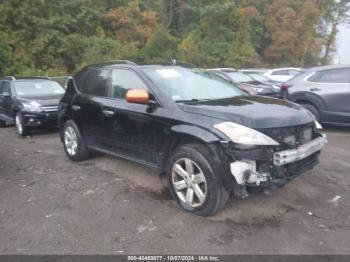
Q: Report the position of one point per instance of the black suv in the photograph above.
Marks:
(29, 102)
(205, 136)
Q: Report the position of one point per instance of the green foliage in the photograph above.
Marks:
(40, 37)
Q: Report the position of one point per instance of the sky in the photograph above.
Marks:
(342, 55)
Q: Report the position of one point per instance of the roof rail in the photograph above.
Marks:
(35, 77)
(9, 78)
(127, 62)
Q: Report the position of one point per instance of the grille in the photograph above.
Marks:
(291, 137)
(50, 108)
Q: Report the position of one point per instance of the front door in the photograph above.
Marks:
(129, 128)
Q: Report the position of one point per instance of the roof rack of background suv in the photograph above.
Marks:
(127, 62)
(29, 77)
(35, 77)
(9, 78)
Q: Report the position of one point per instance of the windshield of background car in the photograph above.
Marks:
(259, 77)
(183, 84)
(37, 88)
(240, 77)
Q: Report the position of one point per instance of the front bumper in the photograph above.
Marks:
(40, 119)
(294, 155)
(266, 167)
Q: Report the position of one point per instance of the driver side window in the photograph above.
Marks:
(122, 80)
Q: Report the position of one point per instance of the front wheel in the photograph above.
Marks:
(194, 183)
(74, 144)
(21, 128)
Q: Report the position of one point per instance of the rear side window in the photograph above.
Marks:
(5, 88)
(293, 72)
(280, 73)
(341, 75)
(122, 80)
(96, 82)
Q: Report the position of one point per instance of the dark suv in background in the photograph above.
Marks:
(207, 137)
(29, 102)
(325, 91)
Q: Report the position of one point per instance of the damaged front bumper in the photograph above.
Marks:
(268, 168)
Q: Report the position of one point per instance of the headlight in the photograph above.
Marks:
(318, 125)
(32, 107)
(244, 135)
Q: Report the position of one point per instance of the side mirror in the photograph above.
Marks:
(138, 96)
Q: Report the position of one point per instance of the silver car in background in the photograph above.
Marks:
(325, 91)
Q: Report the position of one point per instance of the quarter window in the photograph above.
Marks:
(96, 82)
(332, 76)
(5, 88)
(122, 80)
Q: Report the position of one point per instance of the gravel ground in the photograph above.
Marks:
(50, 205)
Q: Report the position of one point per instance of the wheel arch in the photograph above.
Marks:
(309, 98)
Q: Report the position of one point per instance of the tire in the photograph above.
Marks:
(22, 129)
(313, 110)
(73, 142)
(203, 190)
(2, 123)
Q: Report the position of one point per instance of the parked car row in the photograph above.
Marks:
(203, 132)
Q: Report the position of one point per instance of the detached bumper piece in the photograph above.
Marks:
(289, 156)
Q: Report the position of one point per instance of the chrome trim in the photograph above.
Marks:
(49, 108)
(289, 156)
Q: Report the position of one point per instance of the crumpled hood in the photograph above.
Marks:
(52, 100)
(252, 111)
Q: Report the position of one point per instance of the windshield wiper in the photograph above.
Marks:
(193, 100)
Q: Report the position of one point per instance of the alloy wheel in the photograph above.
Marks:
(19, 124)
(71, 141)
(189, 182)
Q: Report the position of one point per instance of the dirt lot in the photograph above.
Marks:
(49, 205)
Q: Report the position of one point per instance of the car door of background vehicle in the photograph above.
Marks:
(333, 86)
(87, 106)
(128, 127)
(5, 99)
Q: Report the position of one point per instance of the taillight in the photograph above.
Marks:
(285, 86)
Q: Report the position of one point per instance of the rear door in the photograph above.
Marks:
(5, 98)
(128, 128)
(333, 86)
(87, 106)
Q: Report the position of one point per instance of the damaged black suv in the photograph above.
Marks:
(206, 137)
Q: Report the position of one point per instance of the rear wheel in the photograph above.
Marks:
(193, 182)
(21, 128)
(74, 144)
(313, 110)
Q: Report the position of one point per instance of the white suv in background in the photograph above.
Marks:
(283, 74)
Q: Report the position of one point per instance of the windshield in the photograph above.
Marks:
(186, 85)
(259, 77)
(240, 77)
(37, 88)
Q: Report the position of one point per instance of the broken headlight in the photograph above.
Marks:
(243, 135)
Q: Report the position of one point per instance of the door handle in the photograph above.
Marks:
(315, 89)
(108, 112)
(76, 107)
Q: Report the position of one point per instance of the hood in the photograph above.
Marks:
(52, 100)
(252, 111)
